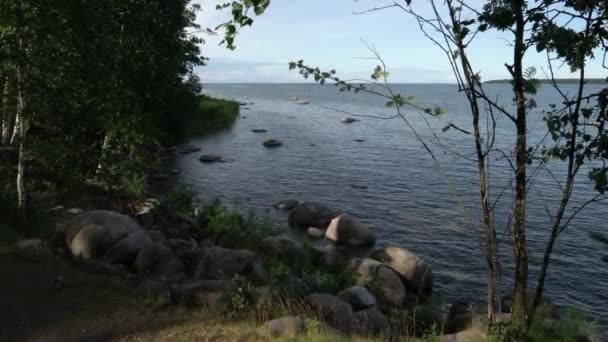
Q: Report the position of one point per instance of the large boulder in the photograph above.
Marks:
(91, 233)
(309, 214)
(223, 263)
(125, 251)
(358, 297)
(388, 282)
(157, 261)
(417, 273)
(285, 247)
(346, 230)
(332, 310)
(286, 327)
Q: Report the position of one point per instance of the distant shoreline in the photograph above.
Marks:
(558, 81)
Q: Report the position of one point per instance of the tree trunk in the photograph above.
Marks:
(16, 128)
(104, 148)
(22, 126)
(6, 117)
(490, 250)
(519, 244)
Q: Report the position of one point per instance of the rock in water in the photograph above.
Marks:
(272, 143)
(286, 204)
(416, 271)
(309, 214)
(346, 230)
(209, 158)
(315, 233)
(348, 119)
(91, 233)
(259, 130)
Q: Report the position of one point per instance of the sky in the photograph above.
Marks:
(328, 34)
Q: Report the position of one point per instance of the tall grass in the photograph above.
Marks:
(211, 115)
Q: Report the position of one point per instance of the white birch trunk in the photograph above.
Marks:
(104, 148)
(6, 118)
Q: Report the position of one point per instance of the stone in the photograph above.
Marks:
(92, 233)
(324, 253)
(359, 186)
(271, 143)
(156, 235)
(179, 246)
(346, 230)
(360, 140)
(285, 247)
(315, 233)
(157, 261)
(152, 288)
(223, 263)
(174, 171)
(191, 293)
(417, 273)
(348, 119)
(387, 281)
(358, 297)
(33, 250)
(125, 251)
(259, 130)
(331, 309)
(310, 214)
(371, 322)
(286, 327)
(286, 204)
(209, 158)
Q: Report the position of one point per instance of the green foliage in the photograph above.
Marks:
(571, 324)
(180, 200)
(228, 228)
(240, 17)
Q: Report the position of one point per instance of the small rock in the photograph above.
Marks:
(259, 130)
(209, 158)
(360, 140)
(271, 143)
(286, 327)
(358, 186)
(286, 204)
(348, 119)
(191, 293)
(29, 243)
(125, 251)
(174, 171)
(56, 208)
(33, 250)
(346, 230)
(358, 297)
(74, 211)
(315, 233)
(156, 235)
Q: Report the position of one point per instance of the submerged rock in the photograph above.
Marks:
(209, 158)
(259, 130)
(348, 119)
(272, 143)
(286, 204)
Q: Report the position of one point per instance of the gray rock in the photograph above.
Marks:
(331, 309)
(324, 253)
(209, 158)
(309, 214)
(371, 322)
(289, 326)
(156, 235)
(315, 233)
(346, 230)
(152, 288)
(259, 130)
(417, 273)
(195, 292)
(285, 247)
(33, 250)
(388, 282)
(286, 204)
(358, 297)
(125, 251)
(90, 234)
(223, 263)
(179, 246)
(157, 261)
(271, 143)
(348, 119)
(459, 318)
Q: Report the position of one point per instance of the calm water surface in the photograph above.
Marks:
(429, 207)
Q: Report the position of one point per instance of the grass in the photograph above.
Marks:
(210, 115)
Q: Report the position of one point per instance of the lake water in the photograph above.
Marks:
(428, 207)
